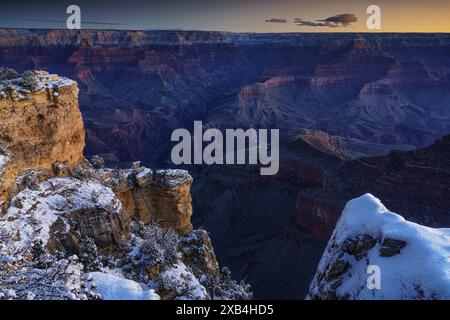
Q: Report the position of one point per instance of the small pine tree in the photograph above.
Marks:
(29, 80)
(89, 255)
(37, 253)
(224, 287)
(37, 250)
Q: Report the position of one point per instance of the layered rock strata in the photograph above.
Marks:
(41, 128)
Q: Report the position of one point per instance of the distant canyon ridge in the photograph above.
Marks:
(342, 103)
(368, 93)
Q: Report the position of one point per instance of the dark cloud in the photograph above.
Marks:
(340, 20)
(343, 19)
(304, 23)
(277, 20)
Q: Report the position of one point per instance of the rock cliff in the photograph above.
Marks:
(162, 196)
(73, 229)
(41, 128)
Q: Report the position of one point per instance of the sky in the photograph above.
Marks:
(232, 15)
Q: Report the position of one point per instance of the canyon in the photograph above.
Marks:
(230, 150)
(357, 113)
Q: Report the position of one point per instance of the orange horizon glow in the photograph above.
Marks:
(431, 16)
(402, 16)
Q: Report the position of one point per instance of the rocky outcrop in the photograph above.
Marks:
(60, 212)
(172, 199)
(376, 254)
(41, 128)
(198, 252)
(75, 230)
(325, 142)
(161, 196)
(79, 223)
(42, 136)
(179, 266)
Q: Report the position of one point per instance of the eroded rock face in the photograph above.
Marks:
(198, 253)
(172, 199)
(39, 129)
(413, 184)
(162, 196)
(179, 266)
(62, 219)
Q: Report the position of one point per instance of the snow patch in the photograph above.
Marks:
(113, 287)
(144, 173)
(172, 177)
(183, 282)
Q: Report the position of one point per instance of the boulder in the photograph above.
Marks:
(60, 211)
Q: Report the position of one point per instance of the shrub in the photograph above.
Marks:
(8, 73)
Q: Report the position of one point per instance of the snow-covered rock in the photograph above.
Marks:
(113, 287)
(58, 208)
(376, 254)
(47, 279)
(75, 230)
(178, 282)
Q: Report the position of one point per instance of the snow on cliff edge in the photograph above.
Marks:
(413, 260)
